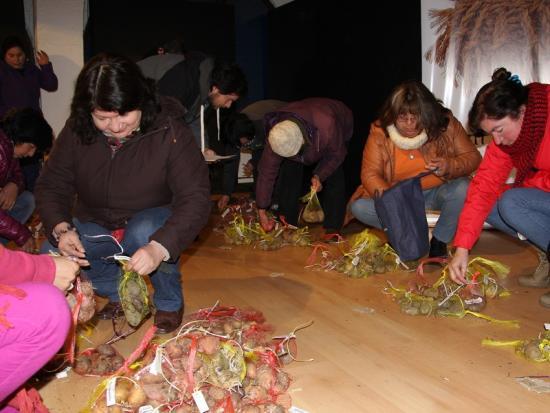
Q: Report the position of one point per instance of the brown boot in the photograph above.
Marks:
(544, 300)
(541, 276)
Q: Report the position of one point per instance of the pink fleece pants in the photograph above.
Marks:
(40, 323)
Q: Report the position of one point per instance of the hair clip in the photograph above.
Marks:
(515, 79)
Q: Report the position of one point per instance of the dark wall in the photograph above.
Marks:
(136, 28)
(12, 22)
(336, 49)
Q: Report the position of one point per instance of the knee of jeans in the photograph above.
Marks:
(460, 187)
(26, 200)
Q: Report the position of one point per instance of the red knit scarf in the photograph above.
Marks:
(524, 150)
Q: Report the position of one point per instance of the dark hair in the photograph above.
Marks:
(111, 83)
(502, 96)
(238, 126)
(229, 79)
(12, 41)
(28, 126)
(413, 97)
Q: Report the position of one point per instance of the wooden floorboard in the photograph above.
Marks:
(368, 356)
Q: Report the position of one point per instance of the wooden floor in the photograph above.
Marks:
(368, 356)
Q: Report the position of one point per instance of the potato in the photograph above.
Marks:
(136, 397)
(532, 350)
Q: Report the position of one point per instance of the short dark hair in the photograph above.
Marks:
(112, 83)
(238, 126)
(229, 79)
(28, 126)
(413, 97)
(12, 41)
(501, 97)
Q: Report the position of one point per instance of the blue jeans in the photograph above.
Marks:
(22, 210)
(447, 198)
(104, 273)
(525, 211)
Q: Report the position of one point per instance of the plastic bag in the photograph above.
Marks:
(312, 212)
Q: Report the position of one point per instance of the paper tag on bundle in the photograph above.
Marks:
(110, 398)
(200, 401)
(146, 409)
(547, 326)
(476, 300)
(156, 365)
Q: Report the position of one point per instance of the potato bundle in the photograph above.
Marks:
(85, 293)
(448, 299)
(367, 255)
(134, 297)
(101, 361)
(312, 213)
(220, 359)
(537, 349)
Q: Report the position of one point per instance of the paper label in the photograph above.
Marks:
(110, 398)
(200, 401)
(547, 326)
(146, 409)
(156, 365)
(476, 300)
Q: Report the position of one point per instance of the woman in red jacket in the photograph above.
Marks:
(517, 118)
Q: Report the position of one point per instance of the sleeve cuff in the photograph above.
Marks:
(161, 247)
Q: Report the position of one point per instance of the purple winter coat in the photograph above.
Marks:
(329, 124)
(21, 88)
(10, 171)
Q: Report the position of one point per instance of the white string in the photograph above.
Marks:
(117, 256)
(218, 122)
(202, 128)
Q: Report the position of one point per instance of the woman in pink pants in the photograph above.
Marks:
(34, 315)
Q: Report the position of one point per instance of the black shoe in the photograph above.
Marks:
(167, 321)
(437, 249)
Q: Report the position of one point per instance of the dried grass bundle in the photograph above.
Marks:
(474, 31)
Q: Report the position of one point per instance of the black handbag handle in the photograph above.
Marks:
(420, 175)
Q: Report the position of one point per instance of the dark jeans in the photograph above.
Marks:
(525, 211)
(104, 272)
(292, 186)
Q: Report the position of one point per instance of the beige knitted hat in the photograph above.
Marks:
(286, 138)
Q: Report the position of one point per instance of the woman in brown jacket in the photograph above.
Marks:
(125, 164)
(416, 133)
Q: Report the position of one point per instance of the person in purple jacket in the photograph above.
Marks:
(310, 132)
(21, 79)
(23, 133)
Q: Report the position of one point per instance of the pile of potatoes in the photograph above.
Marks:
(101, 361)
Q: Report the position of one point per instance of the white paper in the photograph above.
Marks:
(200, 401)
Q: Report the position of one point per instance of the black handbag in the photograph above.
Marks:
(401, 210)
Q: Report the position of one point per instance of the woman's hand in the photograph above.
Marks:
(146, 259)
(266, 223)
(223, 202)
(65, 272)
(316, 183)
(439, 166)
(42, 57)
(458, 265)
(8, 196)
(69, 245)
(248, 169)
